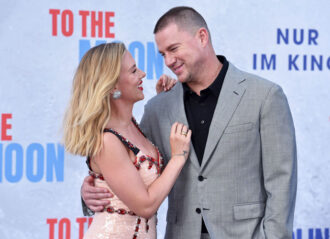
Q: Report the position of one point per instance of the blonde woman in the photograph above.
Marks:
(99, 124)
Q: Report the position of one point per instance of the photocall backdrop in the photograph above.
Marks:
(42, 42)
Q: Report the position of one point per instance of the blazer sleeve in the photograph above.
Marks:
(86, 210)
(279, 160)
(145, 124)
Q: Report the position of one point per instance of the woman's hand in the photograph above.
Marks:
(180, 140)
(165, 83)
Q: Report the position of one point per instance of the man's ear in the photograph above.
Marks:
(203, 36)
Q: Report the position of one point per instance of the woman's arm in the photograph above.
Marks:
(126, 182)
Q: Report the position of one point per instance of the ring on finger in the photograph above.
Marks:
(184, 133)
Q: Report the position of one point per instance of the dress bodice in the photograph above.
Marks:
(148, 167)
(117, 220)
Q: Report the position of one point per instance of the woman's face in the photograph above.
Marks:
(130, 79)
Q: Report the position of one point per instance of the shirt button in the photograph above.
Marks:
(200, 178)
(198, 210)
(203, 122)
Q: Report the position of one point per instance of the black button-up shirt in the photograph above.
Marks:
(200, 109)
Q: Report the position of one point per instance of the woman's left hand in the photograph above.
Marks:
(165, 83)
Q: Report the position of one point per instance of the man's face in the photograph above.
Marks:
(181, 51)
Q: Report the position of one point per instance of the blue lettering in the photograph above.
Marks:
(139, 48)
(154, 59)
(310, 233)
(254, 61)
(9, 174)
(305, 62)
(55, 162)
(299, 234)
(155, 62)
(295, 37)
(280, 35)
(85, 45)
(292, 62)
(313, 233)
(315, 62)
(30, 163)
(298, 36)
(312, 35)
(271, 62)
(311, 62)
(12, 161)
(318, 233)
(265, 63)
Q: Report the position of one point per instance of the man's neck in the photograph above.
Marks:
(207, 76)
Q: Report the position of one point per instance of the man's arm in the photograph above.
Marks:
(93, 198)
(279, 159)
(87, 211)
(145, 124)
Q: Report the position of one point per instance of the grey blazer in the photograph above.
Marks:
(249, 169)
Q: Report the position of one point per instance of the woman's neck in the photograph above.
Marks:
(121, 116)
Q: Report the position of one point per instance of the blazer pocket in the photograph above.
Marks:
(238, 128)
(251, 210)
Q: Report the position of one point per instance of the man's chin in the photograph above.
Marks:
(182, 78)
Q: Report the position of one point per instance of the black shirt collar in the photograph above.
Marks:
(215, 87)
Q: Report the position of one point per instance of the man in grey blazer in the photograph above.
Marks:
(241, 176)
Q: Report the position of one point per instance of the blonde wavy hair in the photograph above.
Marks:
(89, 109)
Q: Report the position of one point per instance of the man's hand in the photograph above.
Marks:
(94, 197)
(165, 83)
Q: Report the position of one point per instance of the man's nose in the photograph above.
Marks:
(169, 60)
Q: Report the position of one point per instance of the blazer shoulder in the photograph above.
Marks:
(256, 82)
(163, 99)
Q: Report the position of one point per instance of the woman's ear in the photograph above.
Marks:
(115, 88)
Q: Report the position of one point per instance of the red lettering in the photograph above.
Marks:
(67, 16)
(54, 13)
(96, 23)
(51, 222)
(109, 24)
(84, 15)
(81, 221)
(5, 126)
(90, 220)
(64, 227)
(64, 222)
(99, 22)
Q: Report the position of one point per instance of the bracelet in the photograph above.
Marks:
(183, 154)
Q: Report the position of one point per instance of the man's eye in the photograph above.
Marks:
(174, 48)
(134, 70)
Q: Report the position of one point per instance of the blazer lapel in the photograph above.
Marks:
(229, 98)
(177, 114)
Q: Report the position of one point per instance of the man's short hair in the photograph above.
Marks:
(185, 18)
